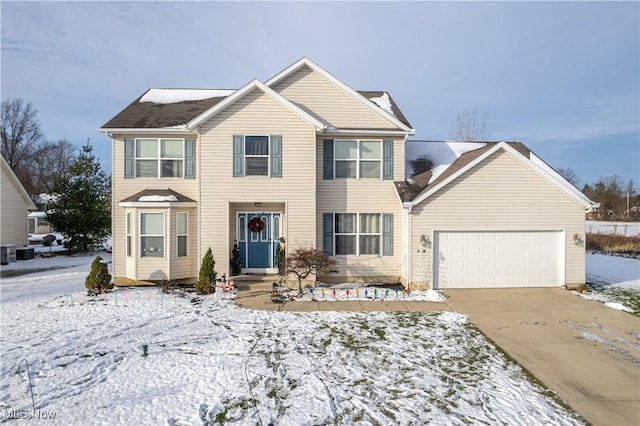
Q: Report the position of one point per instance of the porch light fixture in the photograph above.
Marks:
(577, 239)
(424, 240)
(257, 204)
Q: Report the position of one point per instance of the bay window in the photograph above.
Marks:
(152, 234)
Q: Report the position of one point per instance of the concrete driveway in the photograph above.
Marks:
(587, 353)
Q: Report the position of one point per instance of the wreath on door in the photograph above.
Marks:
(256, 225)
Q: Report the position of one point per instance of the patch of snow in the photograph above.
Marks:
(628, 229)
(443, 154)
(618, 306)
(613, 270)
(158, 198)
(383, 102)
(171, 96)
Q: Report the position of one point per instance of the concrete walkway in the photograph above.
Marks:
(587, 353)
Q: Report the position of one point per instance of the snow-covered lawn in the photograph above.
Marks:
(210, 361)
(628, 229)
(614, 280)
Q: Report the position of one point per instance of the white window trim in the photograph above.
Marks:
(129, 234)
(358, 234)
(242, 228)
(358, 160)
(158, 159)
(245, 156)
(164, 239)
(178, 235)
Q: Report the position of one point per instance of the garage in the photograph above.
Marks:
(498, 259)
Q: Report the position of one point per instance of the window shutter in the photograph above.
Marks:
(387, 235)
(327, 233)
(238, 156)
(190, 159)
(387, 165)
(276, 156)
(327, 166)
(128, 158)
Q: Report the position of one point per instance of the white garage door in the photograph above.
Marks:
(493, 259)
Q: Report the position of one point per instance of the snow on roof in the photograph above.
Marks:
(443, 154)
(158, 198)
(383, 102)
(172, 96)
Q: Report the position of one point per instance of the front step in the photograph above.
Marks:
(255, 281)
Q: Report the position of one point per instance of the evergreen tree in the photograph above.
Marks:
(81, 210)
(99, 278)
(207, 278)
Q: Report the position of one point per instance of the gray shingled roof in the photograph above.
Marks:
(149, 115)
(409, 191)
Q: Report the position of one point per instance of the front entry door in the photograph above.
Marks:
(258, 246)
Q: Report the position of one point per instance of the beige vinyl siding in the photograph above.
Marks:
(500, 193)
(324, 100)
(184, 267)
(255, 114)
(364, 196)
(123, 188)
(14, 211)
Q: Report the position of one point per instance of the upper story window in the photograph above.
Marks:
(357, 159)
(159, 158)
(257, 155)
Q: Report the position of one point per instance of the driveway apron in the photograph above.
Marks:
(586, 352)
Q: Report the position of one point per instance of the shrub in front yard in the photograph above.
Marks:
(207, 278)
(99, 278)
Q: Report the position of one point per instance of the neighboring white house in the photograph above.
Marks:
(304, 157)
(15, 204)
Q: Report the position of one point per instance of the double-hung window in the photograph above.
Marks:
(358, 234)
(257, 155)
(152, 234)
(358, 159)
(181, 228)
(159, 158)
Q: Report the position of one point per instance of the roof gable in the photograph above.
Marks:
(389, 115)
(243, 91)
(471, 159)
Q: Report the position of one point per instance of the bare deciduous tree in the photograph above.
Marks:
(19, 130)
(471, 125)
(570, 175)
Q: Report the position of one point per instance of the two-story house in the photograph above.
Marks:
(305, 158)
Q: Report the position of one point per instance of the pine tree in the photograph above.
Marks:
(99, 278)
(81, 210)
(207, 277)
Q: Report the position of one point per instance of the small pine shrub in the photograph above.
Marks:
(207, 278)
(99, 278)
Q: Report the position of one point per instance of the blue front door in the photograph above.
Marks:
(259, 238)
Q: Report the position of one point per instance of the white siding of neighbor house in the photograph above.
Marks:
(14, 209)
(324, 100)
(499, 193)
(223, 195)
(137, 268)
(364, 196)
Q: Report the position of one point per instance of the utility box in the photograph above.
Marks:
(25, 253)
(7, 253)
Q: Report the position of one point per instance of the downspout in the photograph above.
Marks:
(408, 242)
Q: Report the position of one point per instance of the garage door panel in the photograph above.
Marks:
(486, 259)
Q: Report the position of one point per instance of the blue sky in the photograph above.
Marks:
(561, 77)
